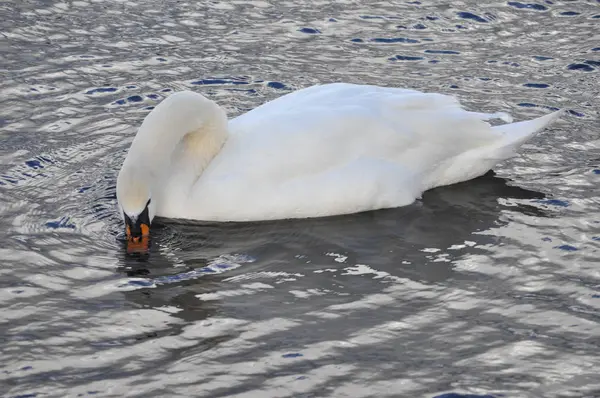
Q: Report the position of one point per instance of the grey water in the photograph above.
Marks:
(488, 288)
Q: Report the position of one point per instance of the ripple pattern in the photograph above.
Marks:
(489, 288)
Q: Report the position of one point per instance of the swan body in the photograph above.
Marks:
(325, 150)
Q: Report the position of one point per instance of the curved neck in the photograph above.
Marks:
(174, 144)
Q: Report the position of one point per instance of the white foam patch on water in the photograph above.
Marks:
(337, 257)
(363, 269)
(441, 258)
(319, 271)
(465, 244)
(309, 293)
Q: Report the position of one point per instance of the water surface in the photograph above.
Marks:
(489, 287)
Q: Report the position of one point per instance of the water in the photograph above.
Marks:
(489, 288)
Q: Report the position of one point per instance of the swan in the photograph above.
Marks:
(325, 150)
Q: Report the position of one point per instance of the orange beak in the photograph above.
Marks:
(145, 233)
(137, 244)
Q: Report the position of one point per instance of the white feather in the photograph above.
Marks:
(325, 150)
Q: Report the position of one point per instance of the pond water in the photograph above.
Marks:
(489, 288)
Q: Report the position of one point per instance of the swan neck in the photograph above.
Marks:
(187, 123)
(174, 144)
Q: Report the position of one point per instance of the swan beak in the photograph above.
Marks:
(142, 231)
(138, 243)
(137, 230)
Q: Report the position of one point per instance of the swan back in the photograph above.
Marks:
(341, 148)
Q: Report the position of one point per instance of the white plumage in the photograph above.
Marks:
(325, 150)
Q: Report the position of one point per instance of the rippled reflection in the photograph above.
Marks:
(480, 289)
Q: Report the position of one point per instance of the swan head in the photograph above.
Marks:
(136, 207)
(174, 144)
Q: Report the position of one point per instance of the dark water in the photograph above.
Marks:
(490, 287)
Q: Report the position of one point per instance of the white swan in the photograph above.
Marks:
(325, 150)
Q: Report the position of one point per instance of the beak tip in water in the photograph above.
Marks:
(138, 244)
(138, 234)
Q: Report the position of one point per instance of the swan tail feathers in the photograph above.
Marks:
(513, 135)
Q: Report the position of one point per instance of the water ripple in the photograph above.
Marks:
(484, 289)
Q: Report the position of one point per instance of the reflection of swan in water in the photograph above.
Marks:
(383, 239)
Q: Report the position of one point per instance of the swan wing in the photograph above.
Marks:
(342, 148)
